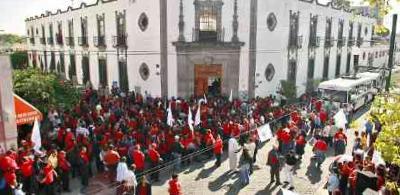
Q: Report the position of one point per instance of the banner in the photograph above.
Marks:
(264, 133)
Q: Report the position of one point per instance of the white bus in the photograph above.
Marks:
(378, 79)
(348, 91)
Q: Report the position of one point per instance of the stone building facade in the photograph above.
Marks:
(190, 47)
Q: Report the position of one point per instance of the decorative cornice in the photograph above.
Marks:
(69, 9)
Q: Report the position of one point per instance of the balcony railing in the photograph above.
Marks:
(32, 40)
(341, 41)
(329, 41)
(120, 41)
(296, 42)
(50, 40)
(59, 40)
(70, 41)
(315, 41)
(360, 41)
(99, 41)
(208, 36)
(83, 41)
(350, 42)
(43, 41)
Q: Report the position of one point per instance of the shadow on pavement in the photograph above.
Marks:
(268, 189)
(204, 173)
(219, 183)
(313, 173)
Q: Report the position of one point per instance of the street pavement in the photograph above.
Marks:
(202, 178)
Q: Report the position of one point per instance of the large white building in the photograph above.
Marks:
(185, 47)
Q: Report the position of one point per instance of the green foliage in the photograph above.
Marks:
(387, 109)
(19, 59)
(11, 39)
(289, 90)
(43, 89)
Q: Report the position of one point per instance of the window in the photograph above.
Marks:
(311, 67)
(338, 64)
(72, 66)
(348, 60)
(144, 71)
(143, 22)
(123, 76)
(85, 70)
(208, 19)
(292, 71)
(103, 80)
(269, 72)
(61, 67)
(271, 22)
(52, 61)
(325, 72)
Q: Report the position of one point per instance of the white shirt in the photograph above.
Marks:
(333, 183)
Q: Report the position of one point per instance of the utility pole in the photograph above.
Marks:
(391, 51)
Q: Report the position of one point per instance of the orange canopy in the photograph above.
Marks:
(25, 112)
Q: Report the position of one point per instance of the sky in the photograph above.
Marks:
(14, 12)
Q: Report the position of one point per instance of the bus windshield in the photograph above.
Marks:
(335, 96)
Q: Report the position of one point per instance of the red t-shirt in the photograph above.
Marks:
(27, 168)
(218, 146)
(138, 158)
(174, 187)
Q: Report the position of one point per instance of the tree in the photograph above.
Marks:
(19, 59)
(289, 90)
(43, 89)
(387, 109)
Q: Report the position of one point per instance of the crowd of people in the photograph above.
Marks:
(130, 137)
(116, 129)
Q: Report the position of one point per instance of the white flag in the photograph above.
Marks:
(264, 133)
(205, 98)
(197, 119)
(231, 96)
(340, 119)
(35, 138)
(170, 119)
(190, 119)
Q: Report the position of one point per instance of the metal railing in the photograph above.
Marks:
(208, 36)
(120, 41)
(351, 41)
(32, 40)
(99, 41)
(43, 41)
(83, 41)
(315, 41)
(70, 41)
(59, 39)
(50, 40)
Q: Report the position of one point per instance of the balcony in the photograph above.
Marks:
(296, 42)
(350, 42)
(360, 41)
(341, 42)
(43, 41)
(70, 41)
(59, 39)
(315, 42)
(83, 41)
(50, 40)
(329, 41)
(32, 40)
(120, 41)
(99, 41)
(208, 36)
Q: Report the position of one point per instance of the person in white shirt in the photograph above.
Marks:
(233, 149)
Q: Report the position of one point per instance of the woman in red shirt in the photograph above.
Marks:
(48, 179)
(144, 187)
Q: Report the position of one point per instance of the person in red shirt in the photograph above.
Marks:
(64, 168)
(218, 148)
(111, 160)
(209, 141)
(300, 145)
(26, 168)
(174, 186)
(84, 167)
(138, 159)
(48, 180)
(144, 187)
(320, 148)
(155, 161)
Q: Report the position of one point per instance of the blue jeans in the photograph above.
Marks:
(176, 157)
(245, 174)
